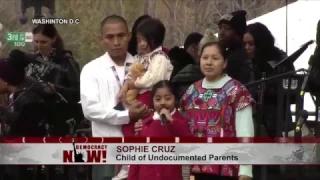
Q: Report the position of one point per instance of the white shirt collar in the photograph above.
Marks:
(107, 62)
(150, 53)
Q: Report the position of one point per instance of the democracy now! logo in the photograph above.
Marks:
(85, 154)
(55, 21)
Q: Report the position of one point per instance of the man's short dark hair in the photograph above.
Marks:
(153, 30)
(192, 39)
(112, 19)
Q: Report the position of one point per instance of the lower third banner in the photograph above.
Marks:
(149, 153)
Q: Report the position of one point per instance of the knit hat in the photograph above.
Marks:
(237, 20)
(209, 36)
(12, 69)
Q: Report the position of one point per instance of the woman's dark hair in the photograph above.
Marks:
(132, 48)
(50, 31)
(263, 41)
(163, 84)
(219, 45)
(154, 31)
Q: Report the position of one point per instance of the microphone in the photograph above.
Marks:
(302, 118)
(164, 119)
(305, 80)
(294, 56)
(17, 55)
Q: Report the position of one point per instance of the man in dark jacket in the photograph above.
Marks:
(184, 60)
(185, 78)
(231, 30)
(181, 57)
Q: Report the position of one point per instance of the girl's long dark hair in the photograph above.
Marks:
(132, 49)
(50, 31)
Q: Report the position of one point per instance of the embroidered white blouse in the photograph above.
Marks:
(244, 121)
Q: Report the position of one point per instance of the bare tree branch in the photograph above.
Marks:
(180, 17)
(168, 6)
(146, 6)
(119, 7)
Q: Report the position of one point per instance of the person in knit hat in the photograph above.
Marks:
(232, 27)
(182, 57)
(192, 73)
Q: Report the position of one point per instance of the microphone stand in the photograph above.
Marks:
(273, 77)
(287, 114)
(52, 90)
(260, 102)
(263, 170)
(263, 81)
(260, 119)
(22, 94)
(48, 130)
(3, 121)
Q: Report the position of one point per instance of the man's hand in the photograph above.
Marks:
(138, 127)
(137, 110)
(244, 177)
(48, 87)
(53, 88)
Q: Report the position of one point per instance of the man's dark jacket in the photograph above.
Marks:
(185, 78)
(185, 72)
(239, 65)
(179, 58)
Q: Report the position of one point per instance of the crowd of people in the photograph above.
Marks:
(137, 81)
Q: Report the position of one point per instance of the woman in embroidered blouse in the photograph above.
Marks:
(226, 103)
